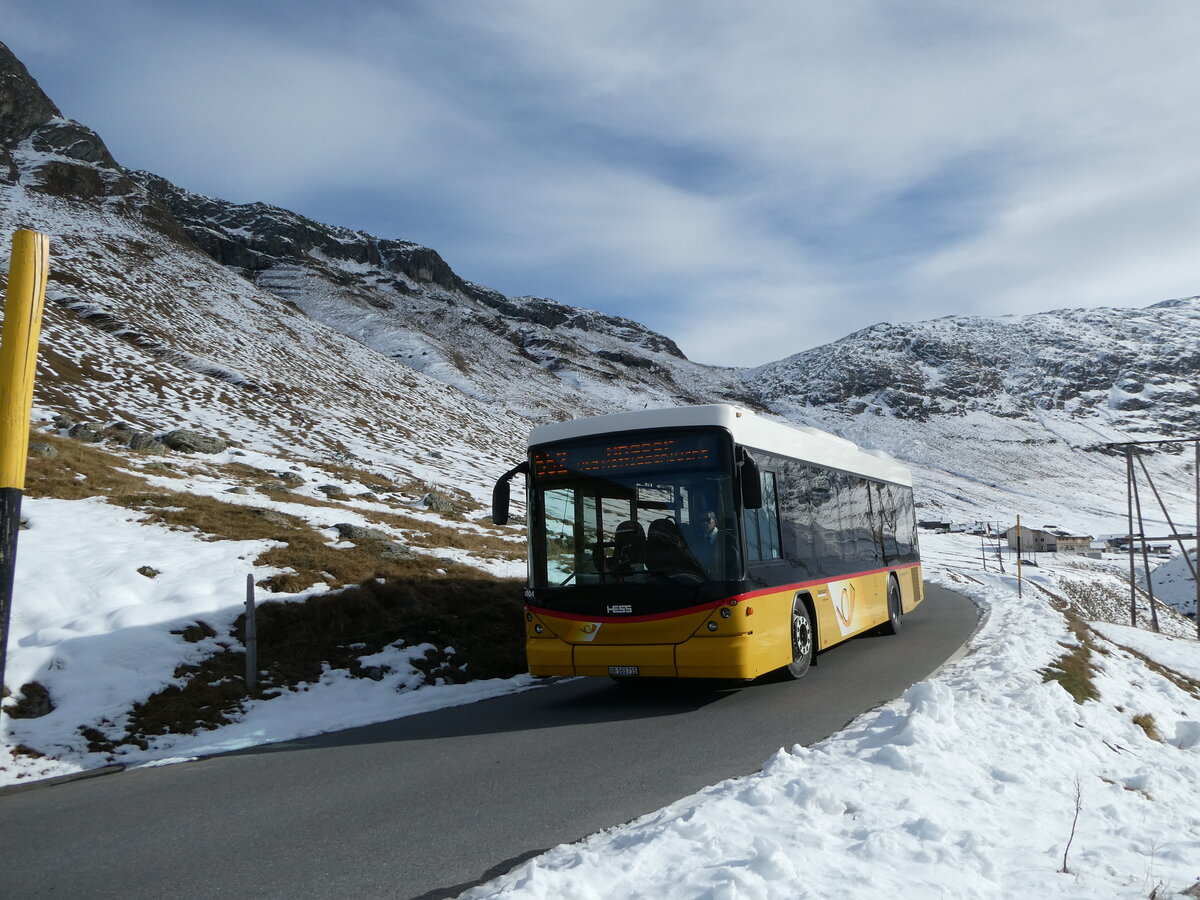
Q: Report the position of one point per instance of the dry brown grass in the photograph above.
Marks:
(479, 618)
(63, 373)
(285, 495)
(1078, 602)
(245, 474)
(372, 481)
(422, 533)
(88, 470)
(462, 504)
(415, 600)
(1073, 670)
(310, 562)
(78, 472)
(1145, 721)
(1181, 681)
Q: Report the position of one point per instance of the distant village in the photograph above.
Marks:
(1052, 539)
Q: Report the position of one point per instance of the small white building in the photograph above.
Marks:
(1074, 543)
(1033, 540)
(1049, 539)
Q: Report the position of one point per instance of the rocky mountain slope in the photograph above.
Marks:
(539, 358)
(1018, 407)
(142, 326)
(1134, 369)
(168, 309)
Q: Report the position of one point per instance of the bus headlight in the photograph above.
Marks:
(712, 626)
(725, 613)
(537, 629)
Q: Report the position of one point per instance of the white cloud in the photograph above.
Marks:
(1088, 240)
(810, 168)
(265, 118)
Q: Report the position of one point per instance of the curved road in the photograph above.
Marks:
(429, 805)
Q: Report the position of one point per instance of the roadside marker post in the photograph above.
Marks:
(251, 633)
(1020, 592)
(24, 300)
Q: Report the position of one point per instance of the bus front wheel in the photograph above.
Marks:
(802, 639)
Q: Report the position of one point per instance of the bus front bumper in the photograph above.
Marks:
(699, 657)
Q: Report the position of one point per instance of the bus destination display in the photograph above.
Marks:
(622, 457)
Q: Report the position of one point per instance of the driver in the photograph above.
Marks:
(711, 536)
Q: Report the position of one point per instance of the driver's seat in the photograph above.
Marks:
(667, 551)
(629, 545)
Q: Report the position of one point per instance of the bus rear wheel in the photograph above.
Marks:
(802, 639)
(895, 608)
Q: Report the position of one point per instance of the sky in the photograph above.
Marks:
(751, 180)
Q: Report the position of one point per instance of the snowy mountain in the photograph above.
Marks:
(321, 353)
(1133, 369)
(1010, 415)
(170, 308)
(144, 328)
(539, 358)
(1064, 382)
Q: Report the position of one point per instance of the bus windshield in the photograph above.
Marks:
(635, 509)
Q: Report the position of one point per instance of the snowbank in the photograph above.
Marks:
(965, 787)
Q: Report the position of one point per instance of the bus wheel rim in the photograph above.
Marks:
(801, 634)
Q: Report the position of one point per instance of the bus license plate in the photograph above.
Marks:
(622, 670)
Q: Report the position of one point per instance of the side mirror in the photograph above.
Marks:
(751, 480)
(500, 493)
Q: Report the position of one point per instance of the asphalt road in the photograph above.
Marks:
(429, 805)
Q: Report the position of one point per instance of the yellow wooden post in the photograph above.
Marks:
(24, 300)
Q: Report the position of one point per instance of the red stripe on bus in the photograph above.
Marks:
(750, 595)
(762, 592)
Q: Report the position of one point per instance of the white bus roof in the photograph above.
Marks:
(748, 429)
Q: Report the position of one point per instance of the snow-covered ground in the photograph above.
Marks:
(100, 635)
(1173, 582)
(969, 785)
(983, 781)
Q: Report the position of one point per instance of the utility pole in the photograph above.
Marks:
(1129, 506)
(1131, 498)
(1167, 515)
(1137, 502)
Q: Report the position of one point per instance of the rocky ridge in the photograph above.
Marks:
(1135, 369)
(539, 358)
(143, 327)
(327, 341)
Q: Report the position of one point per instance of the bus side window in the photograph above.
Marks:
(860, 531)
(891, 548)
(796, 517)
(906, 517)
(826, 523)
(762, 524)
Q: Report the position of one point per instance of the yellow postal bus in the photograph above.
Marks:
(707, 542)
